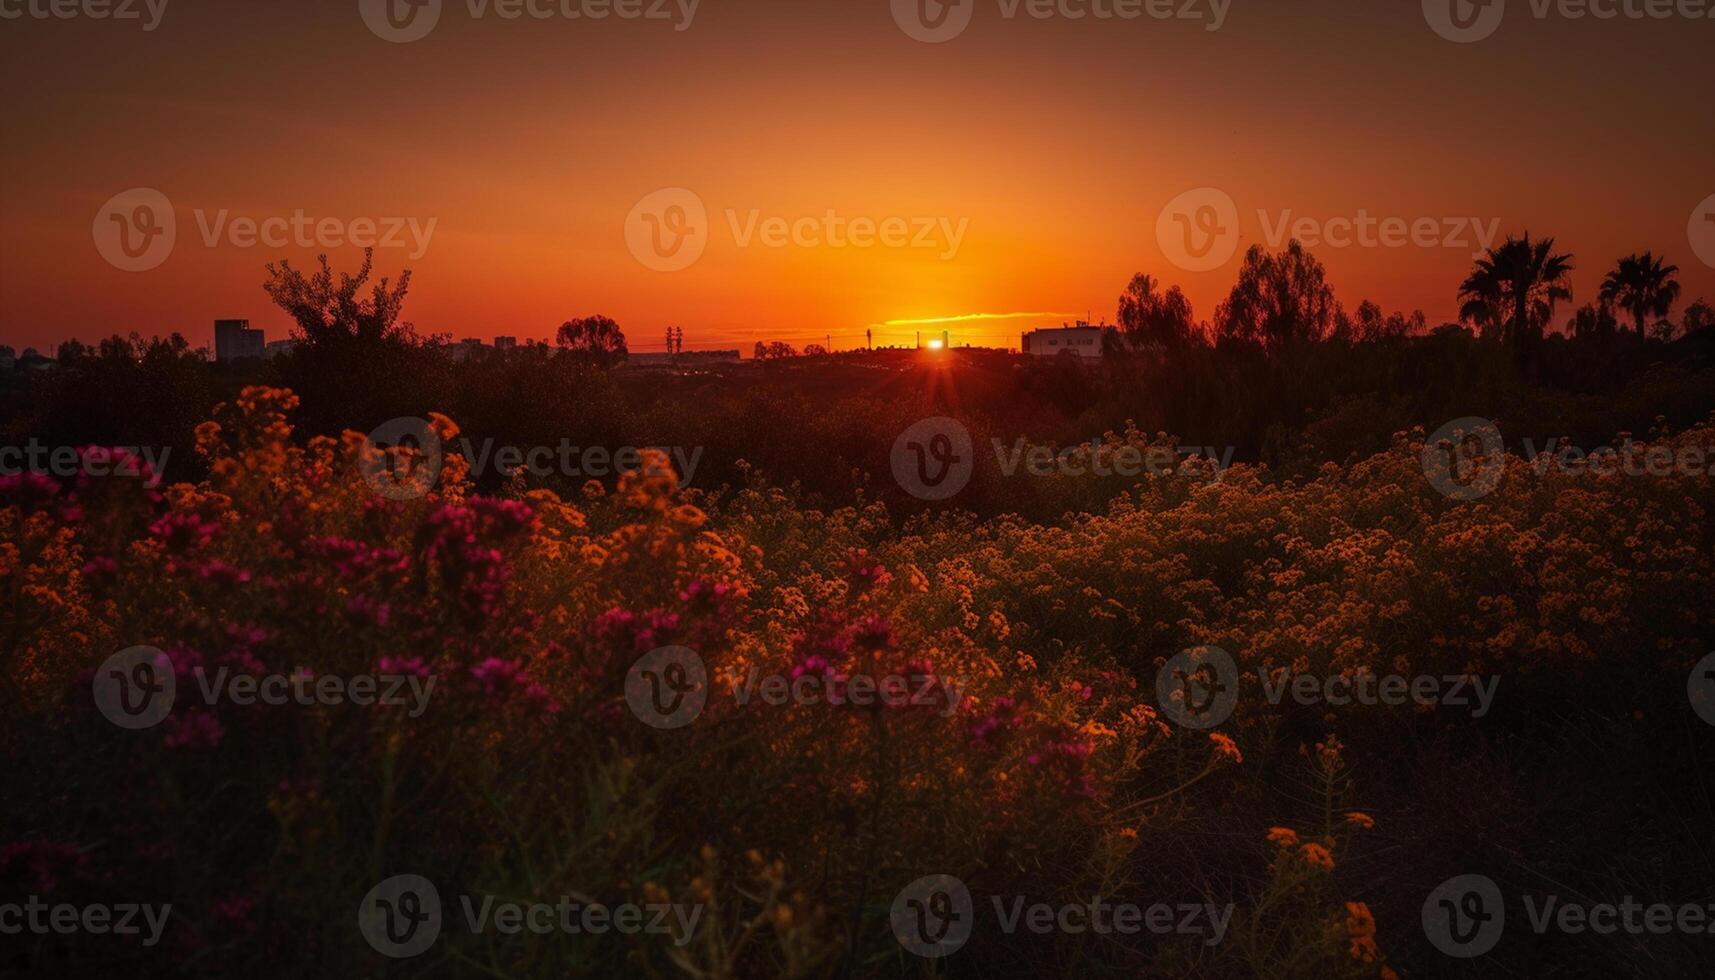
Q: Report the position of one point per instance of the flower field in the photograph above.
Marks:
(1037, 755)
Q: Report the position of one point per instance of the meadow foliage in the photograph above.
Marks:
(1053, 774)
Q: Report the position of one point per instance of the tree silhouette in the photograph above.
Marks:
(1642, 286)
(1157, 321)
(1593, 320)
(1698, 317)
(1279, 301)
(325, 311)
(597, 338)
(774, 351)
(1513, 290)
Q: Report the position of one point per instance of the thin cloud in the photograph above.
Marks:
(967, 317)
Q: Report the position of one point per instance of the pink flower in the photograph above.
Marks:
(628, 633)
(100, 567)
(43, 863)
(367, 609)
(402, 667)
(222, 574)
(1003, 717)
(184, 531)
(197, 730)
(508, 678)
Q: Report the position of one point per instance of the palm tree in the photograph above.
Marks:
(1483, 306)
(1642, 286)
(1514, 288)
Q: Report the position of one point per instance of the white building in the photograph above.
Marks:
(1082, 339)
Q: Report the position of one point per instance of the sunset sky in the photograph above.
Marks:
(1053, 144)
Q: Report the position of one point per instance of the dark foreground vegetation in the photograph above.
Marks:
(1047, 764)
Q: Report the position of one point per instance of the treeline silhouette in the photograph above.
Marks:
(1282, 375)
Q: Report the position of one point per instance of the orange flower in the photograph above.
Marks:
(1226, 748)
(1317, 856)
(1362, 821)
(1284, 836)
(1361, 931)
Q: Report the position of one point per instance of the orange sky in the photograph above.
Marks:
(1052, 143)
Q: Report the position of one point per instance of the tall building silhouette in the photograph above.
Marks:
(233, 340)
